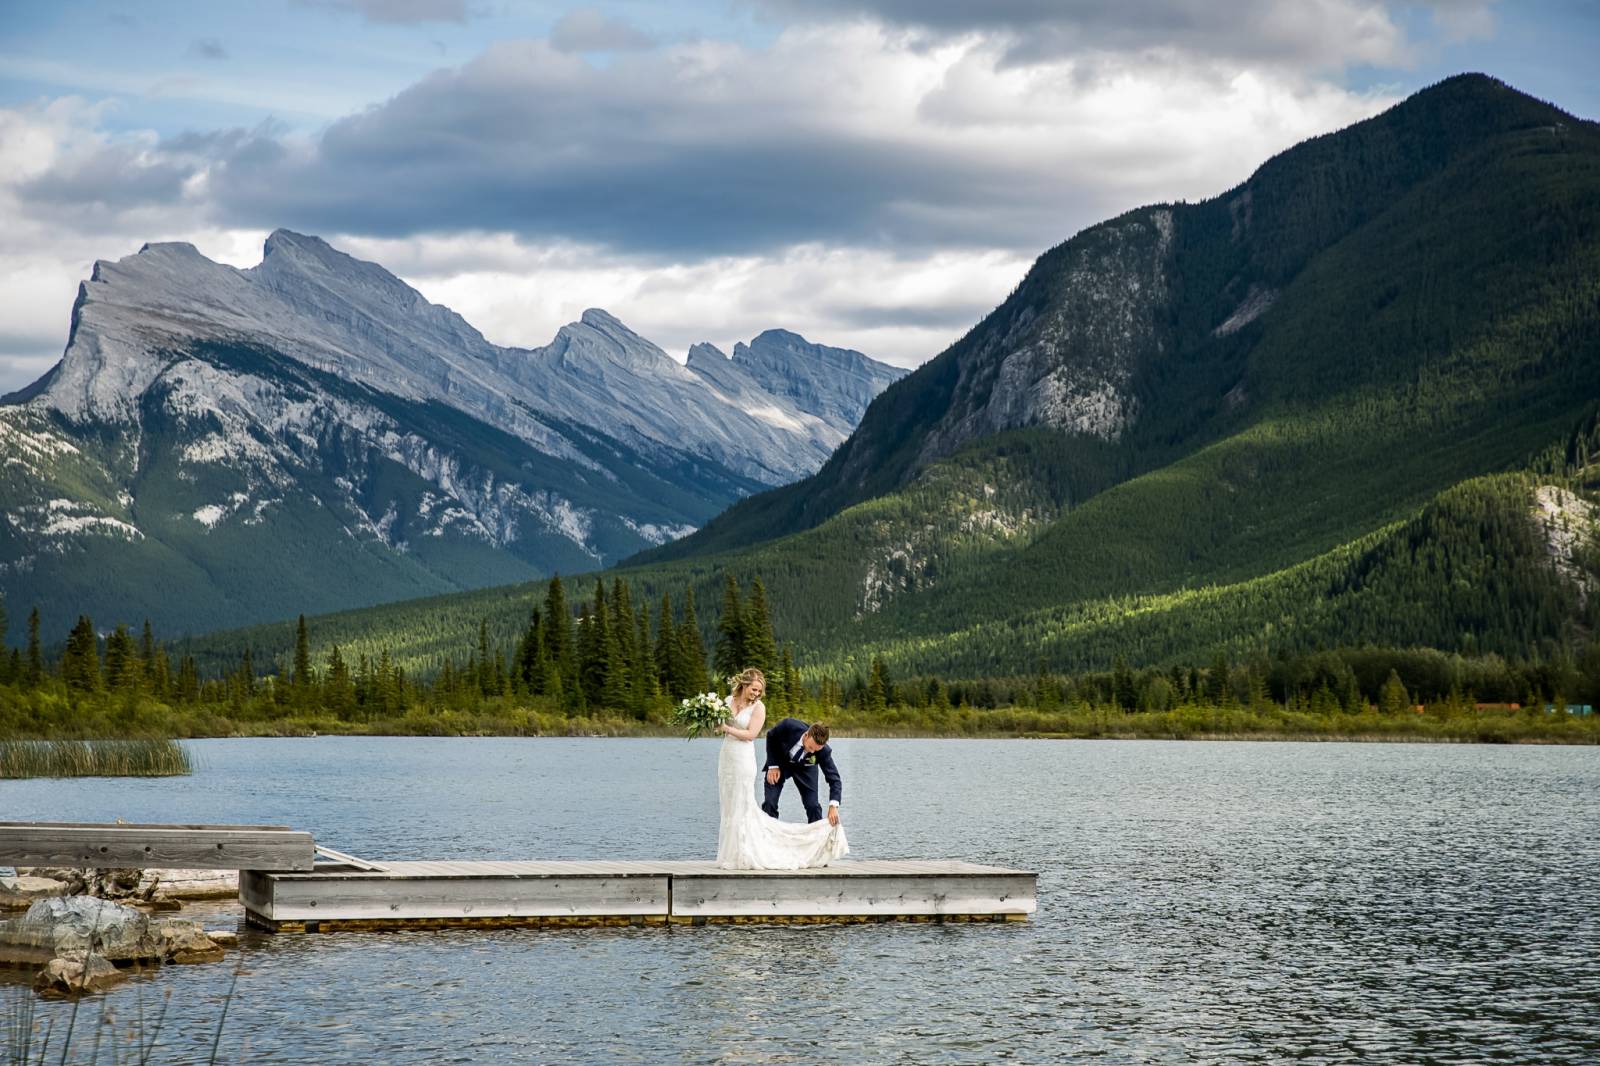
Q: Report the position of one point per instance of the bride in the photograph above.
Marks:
(749, 838)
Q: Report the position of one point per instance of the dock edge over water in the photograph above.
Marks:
(418, 895)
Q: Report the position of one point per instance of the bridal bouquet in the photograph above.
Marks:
(700, 714)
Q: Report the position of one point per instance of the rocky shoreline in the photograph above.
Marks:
(85, 930)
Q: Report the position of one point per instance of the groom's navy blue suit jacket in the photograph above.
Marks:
(781, 738)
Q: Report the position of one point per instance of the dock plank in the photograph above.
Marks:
(212, 847)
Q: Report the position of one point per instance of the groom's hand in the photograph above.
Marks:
(772, 776)
(833, 816)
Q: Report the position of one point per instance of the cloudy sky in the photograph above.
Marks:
(870, 173)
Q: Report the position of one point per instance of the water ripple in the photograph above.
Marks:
(1204, 903)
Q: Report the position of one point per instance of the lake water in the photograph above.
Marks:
(1198, 902)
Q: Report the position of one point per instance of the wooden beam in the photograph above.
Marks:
(904, 894)
(391, 898)
(210, 847)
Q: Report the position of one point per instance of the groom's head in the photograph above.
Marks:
(816, 738)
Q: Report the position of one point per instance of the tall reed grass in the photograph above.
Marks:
(32, 1040)
(93, 758)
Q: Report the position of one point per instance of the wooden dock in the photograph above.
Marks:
(410, 895)
(284, 886)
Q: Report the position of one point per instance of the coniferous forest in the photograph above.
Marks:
(613, 663)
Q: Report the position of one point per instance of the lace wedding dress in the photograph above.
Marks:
(751, 839)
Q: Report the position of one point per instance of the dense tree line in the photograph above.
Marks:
(603, 656)
(604, 661)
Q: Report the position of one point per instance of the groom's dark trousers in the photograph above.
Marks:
(801, 768)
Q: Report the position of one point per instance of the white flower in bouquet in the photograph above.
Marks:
(700, 714)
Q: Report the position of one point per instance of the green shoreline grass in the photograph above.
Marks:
(1189, 722)
(140, 757)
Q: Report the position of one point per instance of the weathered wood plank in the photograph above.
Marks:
(408, 898)
(139, 825)
(696, 896)
(348, 860)
(102, 846)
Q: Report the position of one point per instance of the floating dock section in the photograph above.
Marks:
(357, 894)
(288, 882)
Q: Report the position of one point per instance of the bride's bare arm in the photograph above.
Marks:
(756, 720)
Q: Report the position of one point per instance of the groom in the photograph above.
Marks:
(795, 750)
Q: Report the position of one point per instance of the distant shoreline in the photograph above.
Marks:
(840, 733)
(1455, 722)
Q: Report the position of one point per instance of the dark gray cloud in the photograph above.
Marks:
(207, 48)
(527, 140)
(587, 30)
(111, 176)
(834, 137)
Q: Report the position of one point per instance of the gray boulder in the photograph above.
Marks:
(20, 892)
(67, 976)
(185, 942)
(70, 926)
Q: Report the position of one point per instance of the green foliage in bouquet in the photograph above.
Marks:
(700, 714)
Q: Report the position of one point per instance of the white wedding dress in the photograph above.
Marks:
(751, 839)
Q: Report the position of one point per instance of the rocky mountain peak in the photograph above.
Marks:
(599, 338)
(705, 355)
(834, 384)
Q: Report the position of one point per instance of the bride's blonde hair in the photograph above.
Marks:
(744, 679)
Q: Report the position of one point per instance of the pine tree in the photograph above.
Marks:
(666, 650)
(1046, 694)
(1123, 692)
(1393, 697)
(338, 693)
(1350, 697)
(531, 659)
(302, 655)
(594, 640)
(35, 665)
(188, 688)
(731, 653)
(563, 681)
(1219, 688)
(620, 653)
(147, 648)
(557, 623)
(121, 666)
(644, 687)
(80, 662)
(247, 674)
(792, 694)
(760, 647)
(486, 679)
(386, 691)
(691, 658)
(878, 689)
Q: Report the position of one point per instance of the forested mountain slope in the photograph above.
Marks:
(1214, 424)
(1366, 259)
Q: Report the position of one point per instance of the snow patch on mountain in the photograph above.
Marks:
(66, 518)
